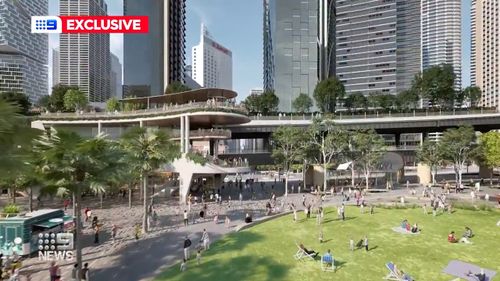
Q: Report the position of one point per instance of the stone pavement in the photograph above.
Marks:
(131, 260)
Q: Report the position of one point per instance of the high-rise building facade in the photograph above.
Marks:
(212, 63)
(442, 35)
(298, 38)
(85, 59)
(23, 55)
(485, 58)
(155, 59)
(55, 67)
(366, 45)
(116, 77)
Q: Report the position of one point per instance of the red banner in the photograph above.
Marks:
(105, 24)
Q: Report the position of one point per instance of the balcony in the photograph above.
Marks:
(204, 134)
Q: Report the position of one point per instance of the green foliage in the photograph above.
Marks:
(112, 105)
(264, 103)
(11, 209)
(472, 94)
(367, 148)
(57, 97)
(15, 139)
(302, 103)
(196, 158)
(490, 148)
(458, 146)
(287, 145)
(430, 154)
(408, 99)
(19, 99)
(75, 100)
(176, 87)
(437, 85)
(384, 101)
(328, 93)
(473, 207)
(44, 102)
(355, 101)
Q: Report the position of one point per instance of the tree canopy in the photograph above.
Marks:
(328, 93)
(17, 98)
(75, 100)
(57, 97)
(264, 103)
(458, 146)
(384, 101)
(176, 87)
(472, 94)
(436, 84)
(490, 147)
(302, 103)
(408, 99)
(355, 101)
(430, 154)
(113, 105)
(287, 148)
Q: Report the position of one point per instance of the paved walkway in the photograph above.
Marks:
(144, 259)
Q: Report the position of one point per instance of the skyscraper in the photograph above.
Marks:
(155, 59)
(55, 66)
(23, 55)
(212, 63)
(485, 58)
(441, 35)
(298, 50)
(85, 59)
(116, 77)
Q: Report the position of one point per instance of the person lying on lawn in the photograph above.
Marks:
(468, 232)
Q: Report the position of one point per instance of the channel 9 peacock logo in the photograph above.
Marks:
(55, 246)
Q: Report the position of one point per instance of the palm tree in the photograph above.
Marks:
(147, 150)
(73, 164)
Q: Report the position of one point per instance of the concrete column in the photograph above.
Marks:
(186, 126)
(141, 123)
(397, 139)
(216, 148)
(424, 173)
(400, 175)
(99, 128)
(181, 135)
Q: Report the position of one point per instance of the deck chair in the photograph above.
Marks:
(327, 263)
(392, 272)
(301, 254)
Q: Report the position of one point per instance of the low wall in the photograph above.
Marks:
(259, 221)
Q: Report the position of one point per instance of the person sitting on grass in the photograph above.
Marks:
(414, 228)
(481, 276)
(405, 224)
(451, 237)
(403, 276)
(468, 233)
(309, 252)
(248, 218)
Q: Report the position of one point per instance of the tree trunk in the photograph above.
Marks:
(78, 230)
(433, 174)
(101, 195)
(491, 178)
(460, 177)
(130, 196)
(324, 176)
(145, 200)
(353, 180)
(74, 204)
(367, 179)
(286, 184)
(13, 194)
(30, 199)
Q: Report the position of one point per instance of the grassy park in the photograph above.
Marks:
(265, 251)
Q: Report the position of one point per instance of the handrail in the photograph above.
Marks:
(170, 109)
(204, 133)
(358, 115)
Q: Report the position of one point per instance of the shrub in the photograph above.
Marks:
(11, 209)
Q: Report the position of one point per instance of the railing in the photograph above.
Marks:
(263, 151)
(166, 109)
(204, 133)
(358, 115)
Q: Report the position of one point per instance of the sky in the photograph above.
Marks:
(237, 25)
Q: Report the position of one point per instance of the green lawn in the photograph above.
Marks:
(265, 252)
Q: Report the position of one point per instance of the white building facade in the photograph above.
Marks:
(116, 77)
(212, 63)
(485, 58)
(442, 35)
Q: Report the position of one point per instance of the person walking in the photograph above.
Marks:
(85, 272)
(186, 218)
(74, 272)
(114, 231)
(137, 232)
(241, 198)
(53, 271)
(342, 211)
(96, 234)
(365, 243)
(205, 240)
(187, 244)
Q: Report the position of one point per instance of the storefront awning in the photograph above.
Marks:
(344, 166)
(47, 224)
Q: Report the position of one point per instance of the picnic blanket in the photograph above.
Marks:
(460, 269)
(399, 229)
